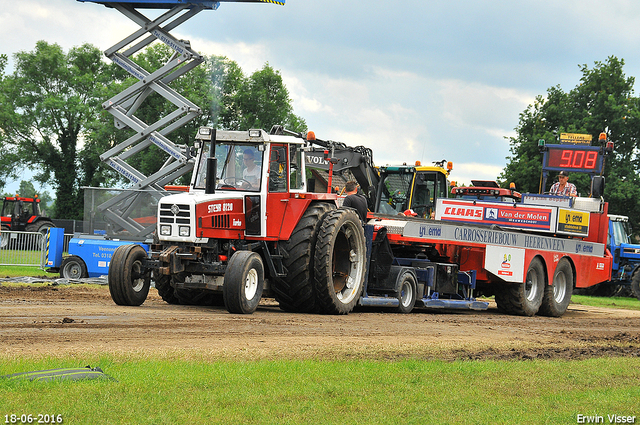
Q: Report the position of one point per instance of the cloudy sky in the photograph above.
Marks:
(413, 80)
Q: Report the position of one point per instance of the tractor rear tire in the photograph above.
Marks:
(128, 281)
(73, 267)
(523, 299)
(407, 292)
(557, 296)
(295, 292)
(635, 284)
(40, 226)
(243, 282)
(339, 262)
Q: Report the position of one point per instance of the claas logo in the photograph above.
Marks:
(463, 212)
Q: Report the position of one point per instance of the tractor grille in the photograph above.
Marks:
(220, 221)
(175, 213)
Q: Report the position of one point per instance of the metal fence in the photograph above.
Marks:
(25, 249)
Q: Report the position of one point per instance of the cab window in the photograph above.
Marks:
(278, 169)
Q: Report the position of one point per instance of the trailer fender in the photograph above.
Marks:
(506, 263)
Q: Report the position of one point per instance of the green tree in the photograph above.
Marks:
(8, 157)
(603, 101)
(46, 106)
(260, 101)
(27, 189)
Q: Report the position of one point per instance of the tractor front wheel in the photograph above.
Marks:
(243, 282)
(128, 280)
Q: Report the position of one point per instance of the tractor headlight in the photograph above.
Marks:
(184, 231)
(165, 230)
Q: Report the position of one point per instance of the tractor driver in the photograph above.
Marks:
(251, 173)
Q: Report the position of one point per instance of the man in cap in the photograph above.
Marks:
(562, 187)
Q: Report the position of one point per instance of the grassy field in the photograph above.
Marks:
(315, 392)
(168, 390)
(609, 302)
(17, 271)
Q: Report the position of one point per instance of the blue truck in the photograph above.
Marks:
(89, 256)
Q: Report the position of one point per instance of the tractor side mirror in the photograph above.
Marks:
(597, 186)
(280, 155)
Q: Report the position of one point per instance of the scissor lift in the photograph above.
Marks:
(91, 257)
(124, 105)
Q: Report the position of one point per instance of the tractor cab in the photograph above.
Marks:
(242, 182)
(19, 212)
(412, 190)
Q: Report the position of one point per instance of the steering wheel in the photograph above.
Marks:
(237, 182)
(397, 196)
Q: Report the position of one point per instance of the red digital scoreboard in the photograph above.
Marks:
(573, 158)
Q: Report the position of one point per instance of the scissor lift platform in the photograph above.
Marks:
(166, 4)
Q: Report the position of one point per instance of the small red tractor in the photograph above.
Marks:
(22, 215)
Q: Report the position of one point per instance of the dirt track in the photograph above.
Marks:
(81, 320)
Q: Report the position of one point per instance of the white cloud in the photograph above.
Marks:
(250, 56)
(67, 23)
(480, 106)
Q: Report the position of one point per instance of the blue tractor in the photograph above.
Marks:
(626, 256)
(625, 273)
